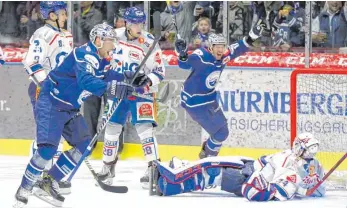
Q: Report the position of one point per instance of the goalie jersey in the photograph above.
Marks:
(282, 176)
(129, 54)
(48, 48)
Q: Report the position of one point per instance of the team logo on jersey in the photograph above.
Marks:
(212, 79)
(134, 56)
(92, 60)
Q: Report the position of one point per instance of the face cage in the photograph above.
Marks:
(310, 152)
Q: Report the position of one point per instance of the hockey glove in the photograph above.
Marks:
(141, 79)
(119, 90)
(259, 30)
(182, 49)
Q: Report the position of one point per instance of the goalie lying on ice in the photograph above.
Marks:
(280, 176)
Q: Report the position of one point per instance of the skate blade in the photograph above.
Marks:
(65, 191)
(47, 198)
(18, 204)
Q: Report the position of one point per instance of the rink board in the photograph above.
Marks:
(255, 101)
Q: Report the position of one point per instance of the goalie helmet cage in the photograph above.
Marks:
(318, 104)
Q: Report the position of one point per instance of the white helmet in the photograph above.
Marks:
(305, 145)
(103, 31)
(216, 39)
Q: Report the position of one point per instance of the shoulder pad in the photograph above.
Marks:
(198, 52)
(82, 54)
(120, 32)
(46, 33)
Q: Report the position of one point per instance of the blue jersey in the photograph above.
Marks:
(199, 88)
(81, 74)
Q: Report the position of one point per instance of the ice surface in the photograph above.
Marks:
(86, 195)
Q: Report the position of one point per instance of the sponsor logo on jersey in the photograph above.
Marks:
(150, 36)
(292, 178)
(141, 40)
(212, 79)
(92, 60)
(145, 110)
(134, 55)
(157, 58)
(146, 44)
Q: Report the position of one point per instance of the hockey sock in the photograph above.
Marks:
(37, 164)
(65, 164)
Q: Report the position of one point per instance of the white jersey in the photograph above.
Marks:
(48, 48)
(305, 173)
(129, 54)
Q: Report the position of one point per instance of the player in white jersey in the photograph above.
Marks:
(134, 43)
(48, 47)
(286, 174)
(2, 58)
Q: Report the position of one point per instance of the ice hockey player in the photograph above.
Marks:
(49, 45)
(134, 43)
(290, 173)
(62, 92)
(198, 95)
(2, 58)
(243, 176)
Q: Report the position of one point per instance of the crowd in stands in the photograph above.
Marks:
(195, 21)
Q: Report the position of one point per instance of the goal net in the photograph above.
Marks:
(318, 104)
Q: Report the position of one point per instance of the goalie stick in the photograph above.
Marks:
(310, 191)
(106, 187)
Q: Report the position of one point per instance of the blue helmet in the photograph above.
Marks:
(134, 15)
(47, 7)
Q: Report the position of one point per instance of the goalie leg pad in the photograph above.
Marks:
(67, 161)
(257, 188)
(148, 141)
(111, 143)
(37, 164)
(168, 188)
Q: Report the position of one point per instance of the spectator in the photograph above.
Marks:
(288, 27)
(239, 21)
(8, 20)
(118, 21)
(86, 19)
(329, 29)
(203, 30)
(183, 12)
(203, 9)
(29, 19)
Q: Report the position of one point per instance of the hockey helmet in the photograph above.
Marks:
(47, 7)
(216, 39)
(103, 31)
(305, 145)
(134, 15)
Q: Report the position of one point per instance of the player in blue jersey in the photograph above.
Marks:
(198, 95)
(279, 176)
(81, 74)
(2, 58)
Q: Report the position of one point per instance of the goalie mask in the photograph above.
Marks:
(305, 146)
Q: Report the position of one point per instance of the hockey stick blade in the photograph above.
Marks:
(310, 191)
(106, 187)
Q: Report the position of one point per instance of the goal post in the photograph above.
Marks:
(318, 104)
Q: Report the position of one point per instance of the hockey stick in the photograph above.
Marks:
(174, 20)
(310, 191)
(161, 99)
(106, 187)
